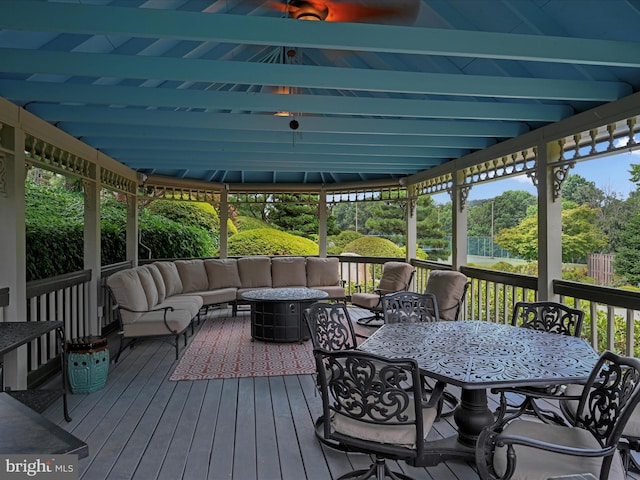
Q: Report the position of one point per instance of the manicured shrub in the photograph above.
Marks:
(268, 241)
(169, 239)
(250, 223)
(369, 246)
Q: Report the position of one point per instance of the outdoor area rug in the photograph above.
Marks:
(222, 348)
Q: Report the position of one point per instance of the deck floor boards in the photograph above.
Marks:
(143, 426)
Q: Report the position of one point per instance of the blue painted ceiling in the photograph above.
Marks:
(200, 89)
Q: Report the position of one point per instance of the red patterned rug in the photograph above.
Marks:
(222, 348)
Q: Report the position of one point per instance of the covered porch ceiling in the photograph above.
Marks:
(235, 92)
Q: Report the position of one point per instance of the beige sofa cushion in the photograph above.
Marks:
(129, 293)
(288, 272)
(149, 286)
(222, 273)
(152, 323)
(193, 275)
(323, 272)
(157, 277)
(255, 272)
(171, 277)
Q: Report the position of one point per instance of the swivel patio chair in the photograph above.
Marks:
(368, 408)
(450, 288)
(550, 317)
(330, 326)
(630, 435)
(521, 447)
(396, 277)
(409, 307)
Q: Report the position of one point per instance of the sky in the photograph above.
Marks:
(610, 174)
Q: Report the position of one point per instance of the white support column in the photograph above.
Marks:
(92, 254)
(224, 224)
(459, 221)
(411, 235)
(322, 224)
(132, 229)
(13, 273)
(549, 223)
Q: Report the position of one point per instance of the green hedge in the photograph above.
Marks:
(268, 241)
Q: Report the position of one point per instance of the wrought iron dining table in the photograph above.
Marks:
(479, 355)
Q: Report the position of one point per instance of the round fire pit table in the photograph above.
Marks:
(277, 313)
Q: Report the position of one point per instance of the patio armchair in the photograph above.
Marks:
(450, 288)
(630, 435)
(519, 446)
(408, 307)
(550, 317)
(403, 307)
(396, 277)
(368, 408)
(330, 326)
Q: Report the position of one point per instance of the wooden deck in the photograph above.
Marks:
(143, 426)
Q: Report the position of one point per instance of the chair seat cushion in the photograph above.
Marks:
(401, 435)
(536, 464)
(631, 429)
(365, 300)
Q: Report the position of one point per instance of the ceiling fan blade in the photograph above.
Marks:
(390, 11)
(277, 6)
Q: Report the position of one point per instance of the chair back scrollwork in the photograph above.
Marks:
(410, 307)
(330, 326)
(549, 317)
(375, 404)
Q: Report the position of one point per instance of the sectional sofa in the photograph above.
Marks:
(162, 299)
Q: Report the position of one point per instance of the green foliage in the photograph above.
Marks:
(250, 223)
(521, 241)
(198, 214)
(268, 241)
(509, 209)
(352, 216)
(580, 235)
(55, 225)
(582, 191)
(342, 239)
(387, 221)
(369, 246)
(627, 259)
(297, 218)
(430, 234)
(167, 238)
(420, 254)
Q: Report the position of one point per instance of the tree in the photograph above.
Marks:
(626, 262)
(293, 214)
(582, 191)
(429, 230)
(388, 221)
(509, 209)
(580, 234)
